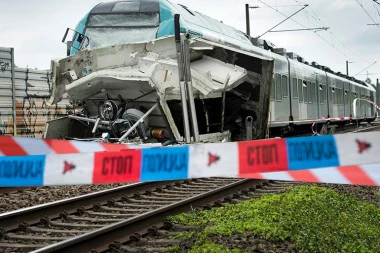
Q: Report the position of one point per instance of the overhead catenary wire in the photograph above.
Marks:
(361, 5)
(333, 46)
(333, 37)
(366, 68)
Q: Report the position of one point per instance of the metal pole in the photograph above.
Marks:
(248, 127)
(138, 123)
(247, 19)
(89, 120)
(347, 68)
(193, 112)
(13, 92)
(224, 101)
(182, 87)
(96, 125)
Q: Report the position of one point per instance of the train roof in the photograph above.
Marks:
(196, 23)
(126, 7)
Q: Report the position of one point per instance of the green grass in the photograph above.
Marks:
(313, 218)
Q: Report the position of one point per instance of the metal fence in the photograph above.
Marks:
(23, 97)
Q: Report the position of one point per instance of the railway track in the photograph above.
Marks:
(349, 128)
(374, 126)
(124, 219)
(93, 221)
(159, 239)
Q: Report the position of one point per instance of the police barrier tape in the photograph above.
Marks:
(291, 158)
(366, 100)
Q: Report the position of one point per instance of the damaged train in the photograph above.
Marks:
(131, 77)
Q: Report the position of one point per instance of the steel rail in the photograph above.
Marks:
(99, 239)
(32, 215)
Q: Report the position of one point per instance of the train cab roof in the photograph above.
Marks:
(126, 7)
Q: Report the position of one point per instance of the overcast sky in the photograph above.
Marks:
(34, 28)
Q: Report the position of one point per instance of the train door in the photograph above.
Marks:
(346, 99)
(302, 97)
(339, 98)
(372, 98)
(367, 106)
(295, 98)
(282, 104)
(272, 98)
(354, 95)
(331, 97)
(322, 95)
(312, 109)
(362, 103)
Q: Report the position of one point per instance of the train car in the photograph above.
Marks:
(303, 94)
(123, 50)
(123, 70)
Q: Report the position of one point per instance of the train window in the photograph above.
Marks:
(300, 96)
(333, 96)
(305, 94)
(126, 6)
(321, 94)
(278, 87)
(295, 92)
(313, 97)
(340, 96)
(123, 20)
(310, 91)
(346, 97)
(120, 28)
(284, 82)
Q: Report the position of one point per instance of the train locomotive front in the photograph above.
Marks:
(122, 77)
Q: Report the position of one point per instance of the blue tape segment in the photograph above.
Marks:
(312, 152)
(165, 163)
(22, 170)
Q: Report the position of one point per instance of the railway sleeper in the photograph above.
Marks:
(70, 225)
(34, 229)
(84, 219)
(121, 210)
(100, 207)
(169, 195)
(153, 202)
(35, 238)
(195, 189)
(127, 215)
(171, 191)
(126, 209)
(129, 205)
(12, 246)
(164, 198)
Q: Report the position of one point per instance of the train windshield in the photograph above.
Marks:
(112, 29)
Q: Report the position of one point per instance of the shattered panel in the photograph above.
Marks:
(228, 86)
